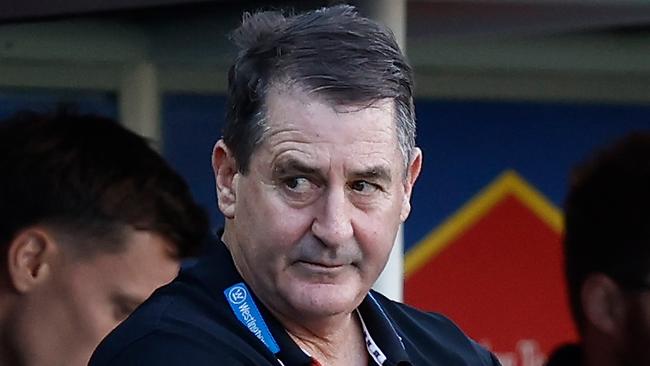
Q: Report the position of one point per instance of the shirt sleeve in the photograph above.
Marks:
(169, 349)
(488, 358)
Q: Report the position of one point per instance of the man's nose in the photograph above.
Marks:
(333, 222)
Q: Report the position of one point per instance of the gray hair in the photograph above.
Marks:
(331, 52)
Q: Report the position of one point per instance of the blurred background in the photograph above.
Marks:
(509, 96)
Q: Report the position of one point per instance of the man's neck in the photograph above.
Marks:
(598, 351)
(340, 342)
(8, 352)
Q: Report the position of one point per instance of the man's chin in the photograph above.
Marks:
(319, 300)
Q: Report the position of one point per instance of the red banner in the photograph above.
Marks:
(494, 268)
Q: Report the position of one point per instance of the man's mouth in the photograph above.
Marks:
(323, 266)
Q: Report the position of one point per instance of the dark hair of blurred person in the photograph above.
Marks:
(92, 221)
(607, 253)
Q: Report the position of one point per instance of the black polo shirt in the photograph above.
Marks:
(566, 355)
(198, 320)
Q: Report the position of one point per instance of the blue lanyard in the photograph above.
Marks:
(242, 304)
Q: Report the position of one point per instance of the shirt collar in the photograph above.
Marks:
(383, 343)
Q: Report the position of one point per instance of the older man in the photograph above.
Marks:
(314, 176)
(93, 221)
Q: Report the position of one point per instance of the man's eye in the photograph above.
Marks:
(298, 184)
(363, 187)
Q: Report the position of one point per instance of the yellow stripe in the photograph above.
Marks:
(538, 203)
(507, 182)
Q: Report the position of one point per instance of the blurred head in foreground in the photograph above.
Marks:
(93, 220)
(607, 248)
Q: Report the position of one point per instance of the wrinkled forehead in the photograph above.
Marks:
(307, 129)
(337, 96)
(281, 101)
(295, 109)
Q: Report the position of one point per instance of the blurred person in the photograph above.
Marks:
(607, 254)
(93, 220)
(314, 177)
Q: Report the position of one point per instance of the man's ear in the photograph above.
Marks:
(225, 170)
(412, 173)
(603, 304)
(29, 259)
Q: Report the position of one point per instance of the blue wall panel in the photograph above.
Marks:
(191, 125)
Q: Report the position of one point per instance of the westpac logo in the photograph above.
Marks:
(237, 294)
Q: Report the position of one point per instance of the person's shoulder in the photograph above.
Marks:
(413, 320)
(433, 334)
(161, 318)
(182, 316)
(568, 354)
(189, 319)
(170, 348)
(178, 325)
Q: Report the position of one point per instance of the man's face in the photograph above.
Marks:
(316, 216)
(61, 322)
